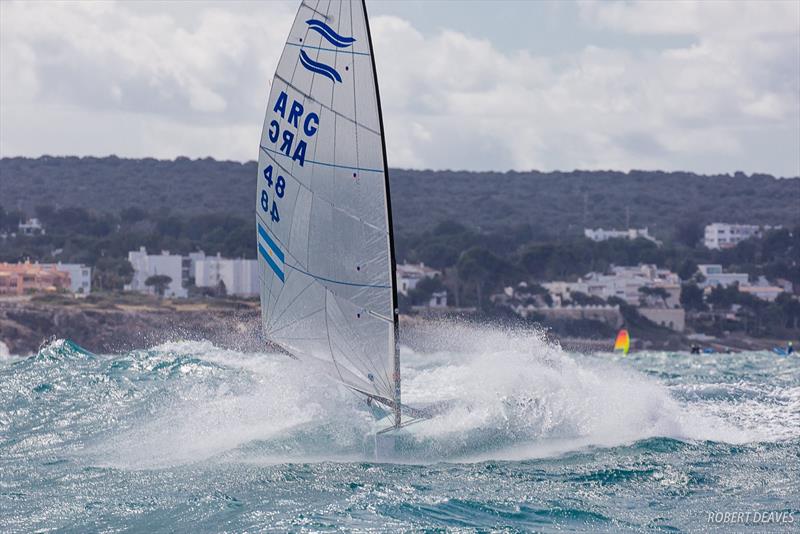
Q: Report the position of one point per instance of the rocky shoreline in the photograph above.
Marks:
(113, 324)
(111, 328)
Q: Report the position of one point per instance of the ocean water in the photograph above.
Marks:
(189, 437)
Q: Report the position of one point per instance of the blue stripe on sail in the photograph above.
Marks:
(319, 68)
(270, 262)
(323, 163)
(327, 49)
(279, 272)
(327, 32)
(278, 252)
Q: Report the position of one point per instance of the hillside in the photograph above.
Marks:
(554, 203)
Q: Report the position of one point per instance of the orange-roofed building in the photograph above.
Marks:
(26, 278)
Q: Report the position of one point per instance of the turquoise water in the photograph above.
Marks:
(186, 436)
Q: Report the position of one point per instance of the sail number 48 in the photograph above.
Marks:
(280, 190)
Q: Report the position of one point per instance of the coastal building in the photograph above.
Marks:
(623, 283)
(721, 235)
(188, 266)
(239, 276)
(146, 265)
(765, 292)
(409, 275)
(18, 279)
(80, 276)
(714, 276)
(31, 227)
(784, 284)
(600, 234)
(526, 301)
(763, 289)
(438, 299)
(436, 305)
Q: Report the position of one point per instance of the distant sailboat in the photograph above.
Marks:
(623, 342)
(323, 212)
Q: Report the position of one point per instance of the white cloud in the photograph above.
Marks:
(191, 79)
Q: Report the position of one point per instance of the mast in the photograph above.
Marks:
(395, 310)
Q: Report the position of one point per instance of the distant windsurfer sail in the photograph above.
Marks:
(323, 211)
(623, 342)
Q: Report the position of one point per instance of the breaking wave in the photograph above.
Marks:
(508, 394)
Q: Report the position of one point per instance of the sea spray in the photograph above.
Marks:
(507, 394)
(190, 436)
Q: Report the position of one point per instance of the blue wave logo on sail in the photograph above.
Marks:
(327, 32)
(333, 38)
(319, 68)
(271, 253)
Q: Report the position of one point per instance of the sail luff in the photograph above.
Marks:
(393, 260)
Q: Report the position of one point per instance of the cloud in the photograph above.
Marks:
(697, 107)
(179, 79)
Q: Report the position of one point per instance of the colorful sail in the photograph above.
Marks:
(623, 342)
(322, 202)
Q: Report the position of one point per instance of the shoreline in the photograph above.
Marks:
(106, 326)
(113, 323)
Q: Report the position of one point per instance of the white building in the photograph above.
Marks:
(715, 277)
(240, 276)
(80, 276)
(409, 275)
(767, 292)
(721, 235)
(146, 265)
(600, 234)
(623, 283)
(31, 227)
(763, 289)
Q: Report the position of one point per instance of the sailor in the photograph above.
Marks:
(695, 348)
(789, 348)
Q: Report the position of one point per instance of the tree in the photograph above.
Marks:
(690, 232)
(159, 282)
(534, 259)
(484, 270)
(111, 274)
(132, 215)
(46, 214)
(692, 297)
(723, 298)
(221, 290)
(687, 269)
(790, 308)
(655, 292)
(425, 288)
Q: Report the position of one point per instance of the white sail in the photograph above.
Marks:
(322, 202)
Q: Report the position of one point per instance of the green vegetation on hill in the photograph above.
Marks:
(485, 230)
(552, 204)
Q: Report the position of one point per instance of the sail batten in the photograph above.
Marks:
(325, 242)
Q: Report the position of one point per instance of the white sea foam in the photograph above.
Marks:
(509, 395)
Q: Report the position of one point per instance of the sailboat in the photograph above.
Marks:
(623, 342)
(323, 211)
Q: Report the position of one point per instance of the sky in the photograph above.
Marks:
(708, 87)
